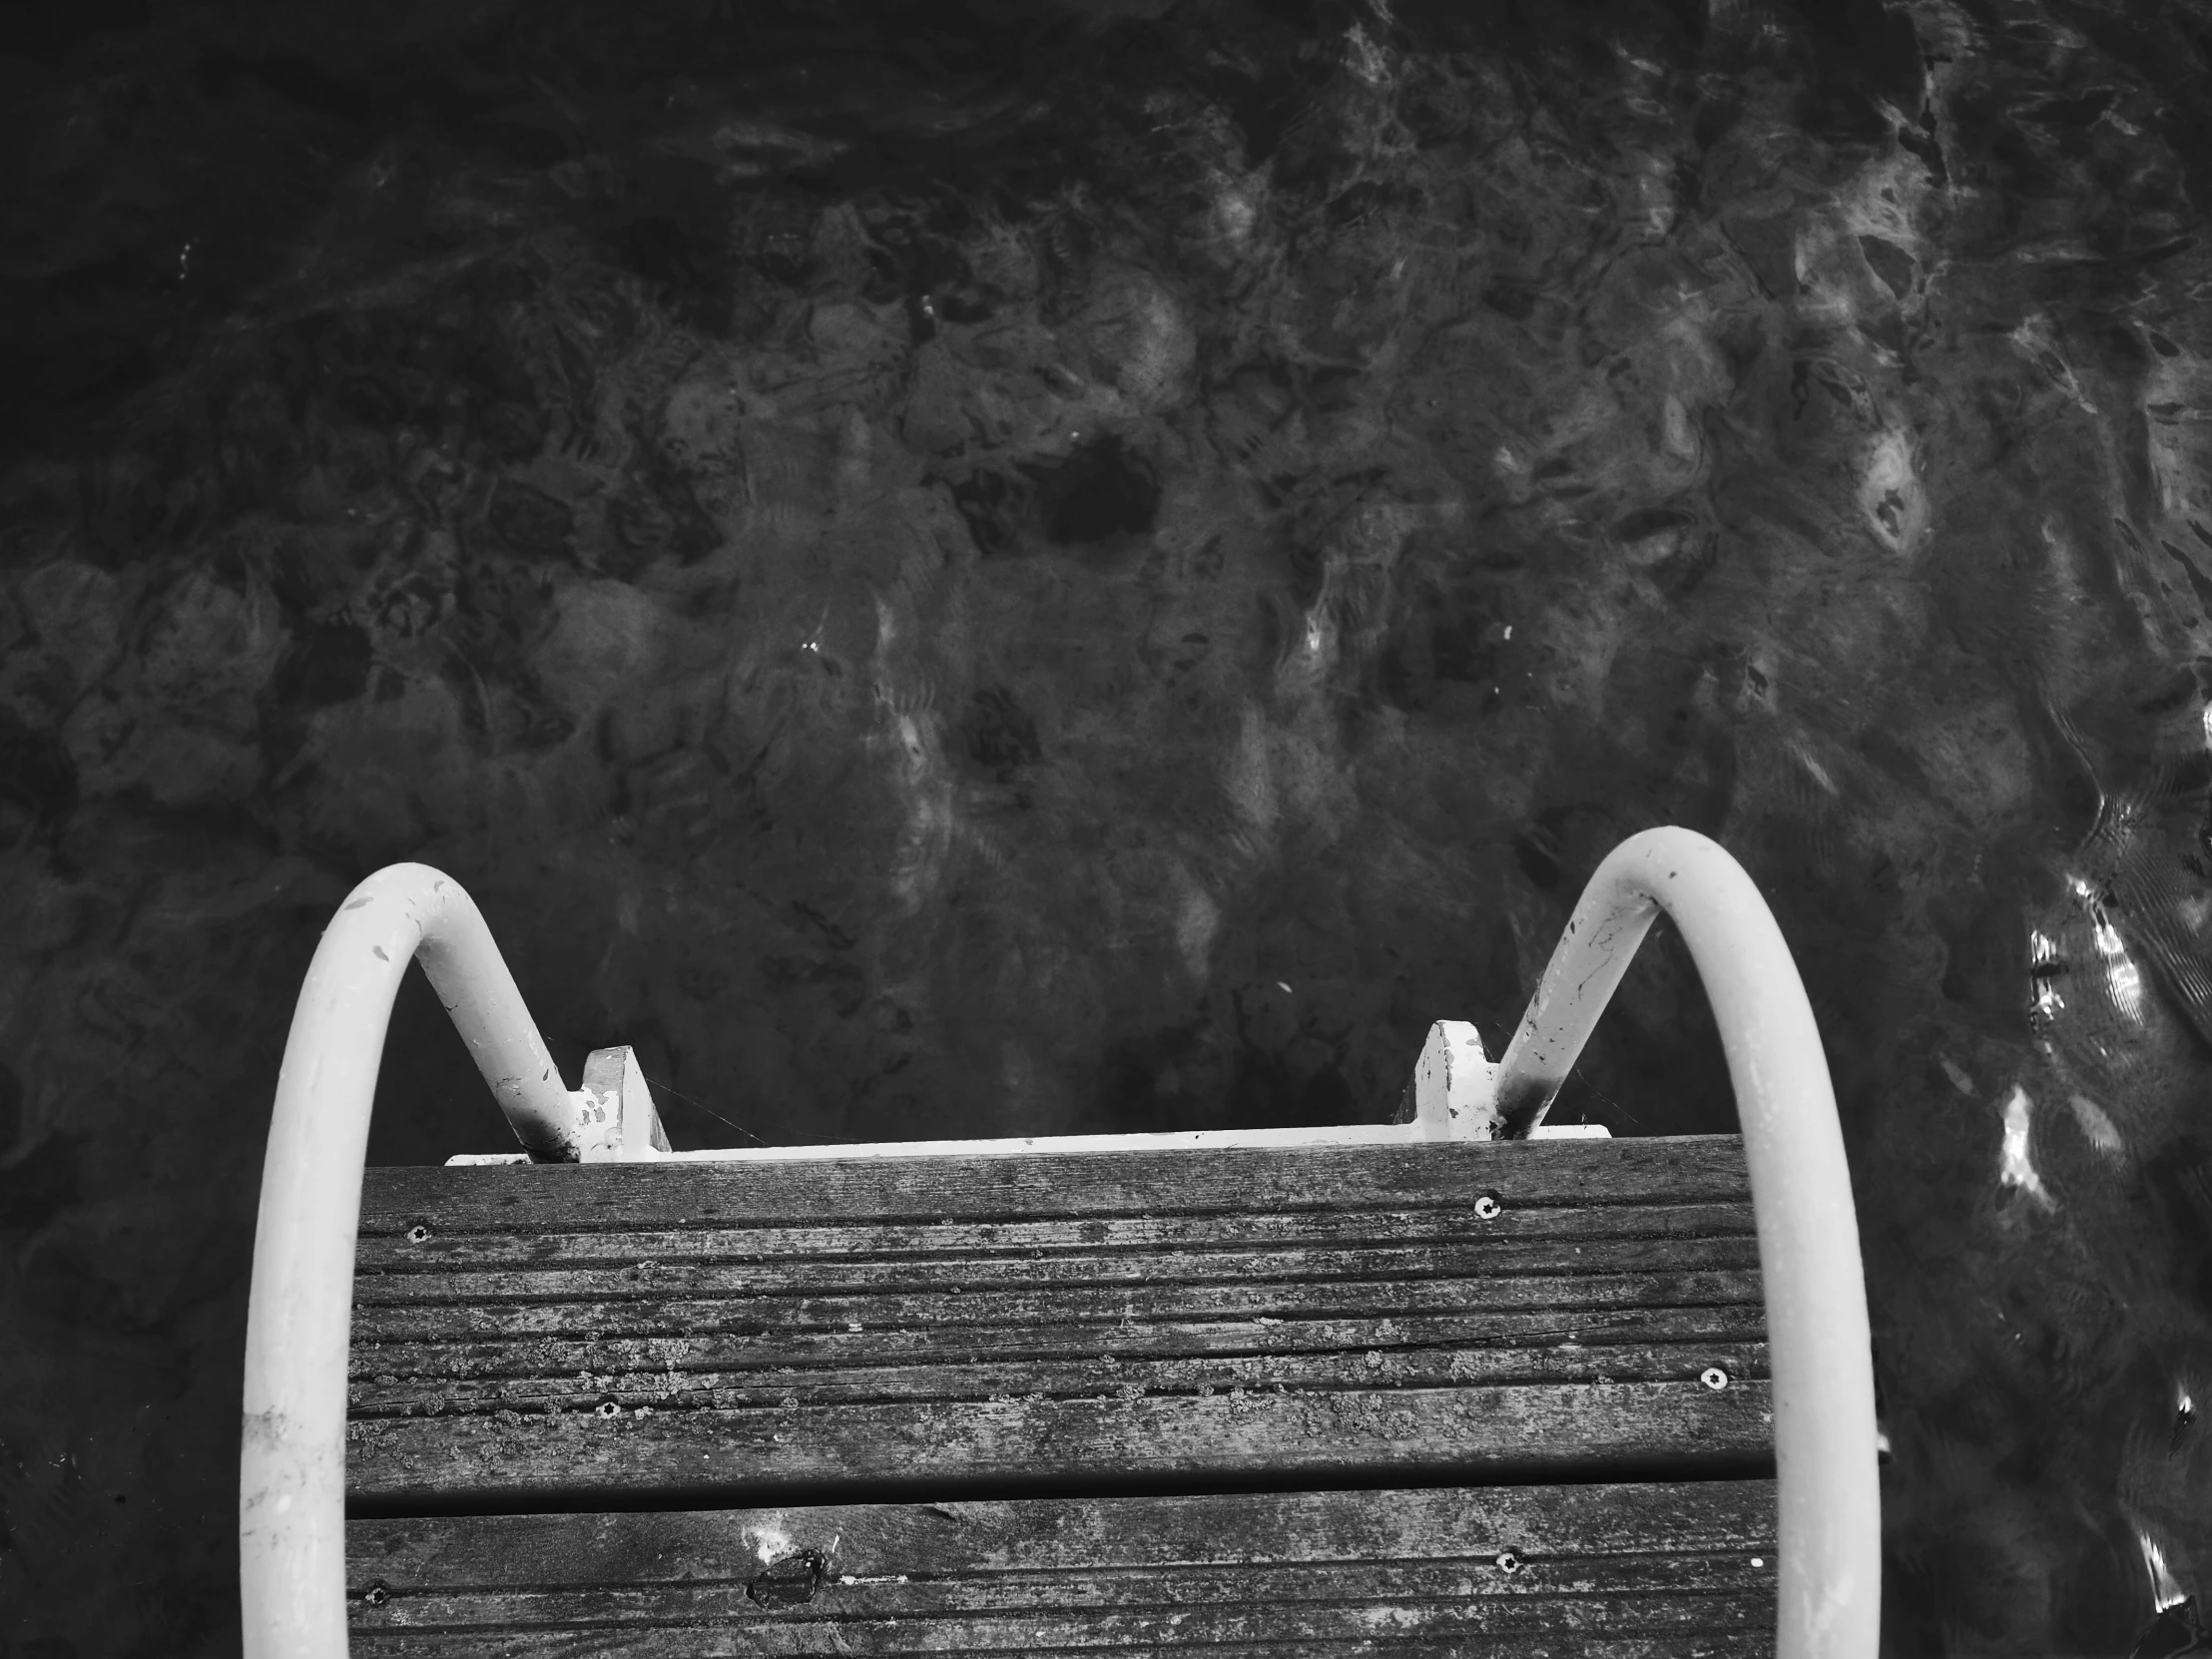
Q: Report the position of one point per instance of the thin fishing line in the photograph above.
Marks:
(670, 1088)
(1612, 1104)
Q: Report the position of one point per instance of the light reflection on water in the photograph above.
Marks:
(1065, 569)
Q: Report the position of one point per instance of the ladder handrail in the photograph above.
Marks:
(292, 1501)
(1828, 1601)
(291, 1462)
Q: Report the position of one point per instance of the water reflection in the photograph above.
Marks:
(1087, 568)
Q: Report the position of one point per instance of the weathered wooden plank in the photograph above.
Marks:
(1525, 1571)
(967, 1272)
(1377, 1621)
(1542, 1329)
(1502, 1432)
(1658, 1170)
(386, 1245)
(837, 1641)
(1138, 1304)
(1426, 1523)
(525, 1244)
(438, 1392)
(1104, 1591)
(718, 1329)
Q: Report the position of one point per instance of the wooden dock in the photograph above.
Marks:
(1476, 1397)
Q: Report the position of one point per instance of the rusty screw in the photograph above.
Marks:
(1713, 1377)
(1488, 1207)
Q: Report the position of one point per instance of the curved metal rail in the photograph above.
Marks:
(292, 1489)
(1830, 1576)
(291, 1502)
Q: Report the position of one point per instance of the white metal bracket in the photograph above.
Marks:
(617, 1121)
(1452, 1094)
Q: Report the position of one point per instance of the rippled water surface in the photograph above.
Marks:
(1088, 567)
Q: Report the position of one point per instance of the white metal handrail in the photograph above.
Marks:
(291, 1465)
(291, 1531)
(1824, 1435)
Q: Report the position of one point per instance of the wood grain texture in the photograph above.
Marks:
(725, 1333)
(1664, 1169)
(1642, 1570)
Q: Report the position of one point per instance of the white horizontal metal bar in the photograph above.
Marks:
(1194, 1140)
(1452, 1097)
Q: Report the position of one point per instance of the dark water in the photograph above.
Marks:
(1098, 567)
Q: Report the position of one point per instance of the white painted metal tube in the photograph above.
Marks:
(1830, 1573)
(291, 1487)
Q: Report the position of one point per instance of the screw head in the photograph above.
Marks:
(418, 1234)
(1508, 1563)
(1488, 1207)
(1713, 1377)
(377, 1595)
(788, 1580)
(610, 1407)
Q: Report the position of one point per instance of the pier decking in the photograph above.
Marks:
(1486, 1397)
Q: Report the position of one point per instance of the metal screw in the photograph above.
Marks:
(1713, 1377)
(610, 1407)
(788, 1580)
(418, 1234)
(377, 1595)
(1508, 1563)
(1487, 1206)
